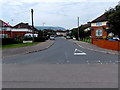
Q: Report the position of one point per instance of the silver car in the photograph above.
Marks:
(52, 37)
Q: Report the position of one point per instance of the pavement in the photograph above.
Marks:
(25, 50)
(92, 47)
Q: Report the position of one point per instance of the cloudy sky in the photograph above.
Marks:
(62, 13)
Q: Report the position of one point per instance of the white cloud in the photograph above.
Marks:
(54, 12)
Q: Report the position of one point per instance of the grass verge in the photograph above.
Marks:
(87, 40)
(18, 45)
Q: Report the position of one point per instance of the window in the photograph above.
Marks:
(3, 35)
(99, 24)
(98, 32)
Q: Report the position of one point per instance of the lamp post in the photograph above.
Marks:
(32, 23)
(78, 29)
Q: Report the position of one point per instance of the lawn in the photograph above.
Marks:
(19, 45)
(87, 40)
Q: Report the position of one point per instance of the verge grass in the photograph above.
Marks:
(18, 45)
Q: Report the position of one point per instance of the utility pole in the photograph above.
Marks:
(11, 29)
(43, 30)
(43, 23)
(78, 29)
(32, 23)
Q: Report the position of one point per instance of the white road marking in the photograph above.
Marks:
(79, 52)
(117, 61)
(68, 61)
(66, 55)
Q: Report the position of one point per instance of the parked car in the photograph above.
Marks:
(74, 38)
(30, 35)
(116, 38)
(68, 37)
(52, 37)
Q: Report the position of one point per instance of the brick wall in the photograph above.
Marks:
(113, 45)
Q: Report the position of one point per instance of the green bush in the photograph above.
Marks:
(27, 38)
(104, 37)
(6, 41)
(39, 39)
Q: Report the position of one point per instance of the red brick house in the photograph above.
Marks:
(98, 27)
(18, 30)
(21, 29)
(5, 29)
(98, 31)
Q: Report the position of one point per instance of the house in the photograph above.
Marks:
(87, 27)
(99, 34)
(19, 30)
(61, 33)
(5, 29)
(98, 27)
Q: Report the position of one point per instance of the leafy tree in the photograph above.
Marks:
(82, 33)
(113, 16)
(75, 33)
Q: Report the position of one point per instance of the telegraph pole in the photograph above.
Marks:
(78, 29)
(32, 23)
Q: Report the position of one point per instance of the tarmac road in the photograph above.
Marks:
(58, 67)
(62, 52)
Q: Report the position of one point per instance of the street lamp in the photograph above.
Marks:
(32, 24)
(78, 29)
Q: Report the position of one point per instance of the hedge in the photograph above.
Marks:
(8, 41)
(39, 39)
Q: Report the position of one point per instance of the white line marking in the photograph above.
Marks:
(68, 61)
(79, 52)
(66, 55)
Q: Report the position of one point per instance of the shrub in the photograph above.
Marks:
(27, 38)
(104, 37)
(39, 39)
(8, 41)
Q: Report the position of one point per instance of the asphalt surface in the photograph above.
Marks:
(62, 52)
(58, 67)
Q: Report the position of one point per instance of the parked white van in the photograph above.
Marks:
(30, 35)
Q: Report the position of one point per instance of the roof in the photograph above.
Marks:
(23, 25)
(86, 25)
(100, 19)
(4, 24)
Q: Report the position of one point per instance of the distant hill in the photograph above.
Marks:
(50, 27)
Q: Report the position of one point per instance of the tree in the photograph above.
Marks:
(113, 16)
(74, 33)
